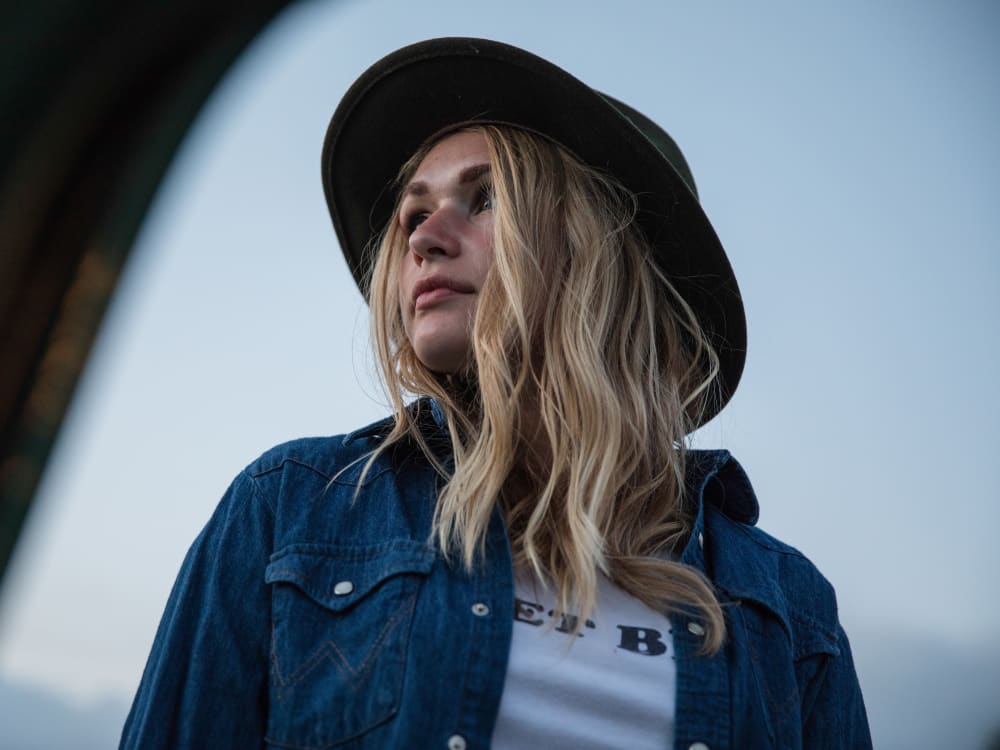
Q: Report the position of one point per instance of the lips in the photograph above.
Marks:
(433, 289)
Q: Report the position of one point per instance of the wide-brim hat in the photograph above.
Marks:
(421, 90)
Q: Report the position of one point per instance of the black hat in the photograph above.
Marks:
(425, 88)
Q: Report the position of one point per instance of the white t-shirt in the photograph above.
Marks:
(610, 687)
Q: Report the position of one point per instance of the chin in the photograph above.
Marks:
(442, 346)
(442, 359)
(444, 365)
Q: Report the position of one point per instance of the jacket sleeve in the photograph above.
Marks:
(833, 710)
(205, 684)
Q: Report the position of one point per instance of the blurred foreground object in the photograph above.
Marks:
(96, 96)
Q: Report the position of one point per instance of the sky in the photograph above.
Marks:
(846, 153)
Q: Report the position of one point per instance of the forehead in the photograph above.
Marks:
(450, 156)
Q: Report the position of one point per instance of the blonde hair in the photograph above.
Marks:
(587, 372)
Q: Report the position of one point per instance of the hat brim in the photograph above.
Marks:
(422, 89)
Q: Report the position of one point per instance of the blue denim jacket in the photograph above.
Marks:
(306, 618)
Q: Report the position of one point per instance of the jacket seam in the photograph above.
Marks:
(780, 549)
(289, 460)
(260, 497)
(815, 626)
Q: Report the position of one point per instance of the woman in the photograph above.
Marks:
(527, 552)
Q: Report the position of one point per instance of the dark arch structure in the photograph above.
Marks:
(96, 96)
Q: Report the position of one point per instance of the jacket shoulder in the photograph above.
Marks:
(341, 491)
(322, 455)
(326, 456)
(752, 565)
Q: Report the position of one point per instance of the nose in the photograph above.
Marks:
(437, 236)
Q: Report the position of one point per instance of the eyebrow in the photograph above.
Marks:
(469, 174)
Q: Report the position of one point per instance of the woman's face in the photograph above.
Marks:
(447, 211)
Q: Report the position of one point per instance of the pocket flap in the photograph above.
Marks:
(337, 577)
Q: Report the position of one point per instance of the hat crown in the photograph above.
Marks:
(659, 138)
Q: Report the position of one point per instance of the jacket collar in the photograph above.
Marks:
(379, 430)
(716, 479)
(426, 411)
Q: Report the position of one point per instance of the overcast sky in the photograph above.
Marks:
(847, 155)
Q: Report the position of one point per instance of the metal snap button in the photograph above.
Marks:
(343, 588)
(457, 742)
(701, 540)
(698, 746)
(480, 610)
(696, 628)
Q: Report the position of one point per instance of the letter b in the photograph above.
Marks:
(645, 641)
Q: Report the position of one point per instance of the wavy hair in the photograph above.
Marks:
(587, 371)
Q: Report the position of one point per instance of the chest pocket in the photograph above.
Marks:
(341, 621)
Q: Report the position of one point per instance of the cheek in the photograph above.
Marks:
(403, 284)
(486, 256)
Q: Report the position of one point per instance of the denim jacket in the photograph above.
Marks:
(308, 615)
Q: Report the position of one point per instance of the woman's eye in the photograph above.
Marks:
(484, 202)
(413, 221)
